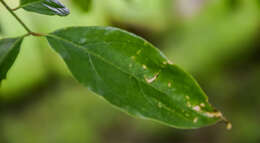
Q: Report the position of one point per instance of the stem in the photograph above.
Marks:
(20, 21)
(16, 17)
(14, 9)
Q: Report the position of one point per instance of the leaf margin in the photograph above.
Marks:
(15, 46)
(216, 114)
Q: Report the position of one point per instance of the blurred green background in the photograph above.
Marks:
(217, 41)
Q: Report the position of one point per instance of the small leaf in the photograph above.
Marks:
(133, 75)
(9, 49)
(83, 5)
(47, 7)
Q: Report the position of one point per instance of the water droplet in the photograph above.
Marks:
(138, 52)
(213, 114)
(144, 67)
(195, 120)
(229, 126)
(133, 57)
(188, 104)
(160, 105)
(82, 40)
(196, 108)
(153, 78)
(169, 62)
(169, 84)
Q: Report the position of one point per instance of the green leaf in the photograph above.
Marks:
(133, 75)
(9, 49)
(83, 5)
(47, 7)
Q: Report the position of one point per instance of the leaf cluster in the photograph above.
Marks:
(123, 68)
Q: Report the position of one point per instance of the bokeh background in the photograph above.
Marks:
(217, 41)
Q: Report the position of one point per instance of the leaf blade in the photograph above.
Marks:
(46, 7)
(133, 75)
(9, 49)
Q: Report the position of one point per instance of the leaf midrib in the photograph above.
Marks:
(138, 84)
(106, 61)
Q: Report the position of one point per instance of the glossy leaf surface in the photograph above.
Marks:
(133, 75)
(47, 7)
(9, 49)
